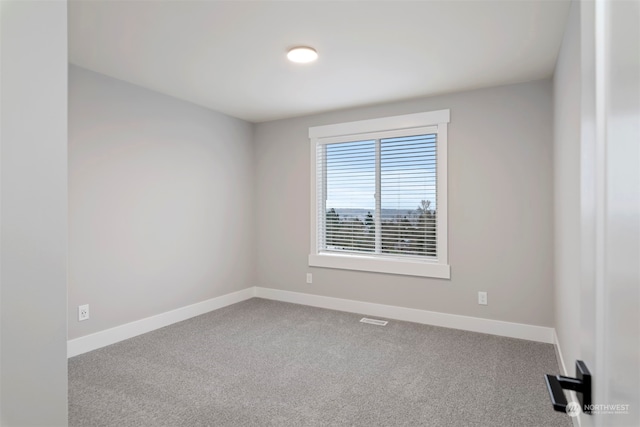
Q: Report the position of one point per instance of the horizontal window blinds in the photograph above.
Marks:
(378, 197)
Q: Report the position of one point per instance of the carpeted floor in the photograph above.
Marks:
(270, 363)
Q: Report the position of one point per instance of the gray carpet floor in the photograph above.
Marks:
(268, 363)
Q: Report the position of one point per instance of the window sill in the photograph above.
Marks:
(381, 265)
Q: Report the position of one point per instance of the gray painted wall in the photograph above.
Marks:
(567, 122)
(33, 214)
(160, 202)
(500, 208)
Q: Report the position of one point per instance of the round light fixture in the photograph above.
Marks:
(302, 54)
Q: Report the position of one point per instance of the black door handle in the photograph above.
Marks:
(556, 394)
(581, 385)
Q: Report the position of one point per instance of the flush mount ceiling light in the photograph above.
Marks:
(302, 54)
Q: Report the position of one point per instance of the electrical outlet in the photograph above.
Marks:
(309, 278)
(83, 312)
(482, 298)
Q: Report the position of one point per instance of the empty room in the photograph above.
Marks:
(320, 213)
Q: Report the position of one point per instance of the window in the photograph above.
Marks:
(379, 195)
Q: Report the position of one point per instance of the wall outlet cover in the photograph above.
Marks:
(83, 312)
(482, 298)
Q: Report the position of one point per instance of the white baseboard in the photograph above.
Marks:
(495, 327)
(467, 323)
(563, 367)
(129, 330)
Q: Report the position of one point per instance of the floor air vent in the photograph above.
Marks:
(374, 321)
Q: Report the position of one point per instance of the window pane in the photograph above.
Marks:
(408, 191)
(350, 189)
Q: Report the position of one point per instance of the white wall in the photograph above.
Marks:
(567, 122)
(500, 208)
(160, 202)
(33, 214)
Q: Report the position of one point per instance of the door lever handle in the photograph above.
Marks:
(581, 385)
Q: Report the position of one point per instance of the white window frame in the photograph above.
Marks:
(434, 122)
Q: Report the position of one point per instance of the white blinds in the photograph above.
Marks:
(378, 196)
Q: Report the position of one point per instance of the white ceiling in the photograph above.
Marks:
(229, 56)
